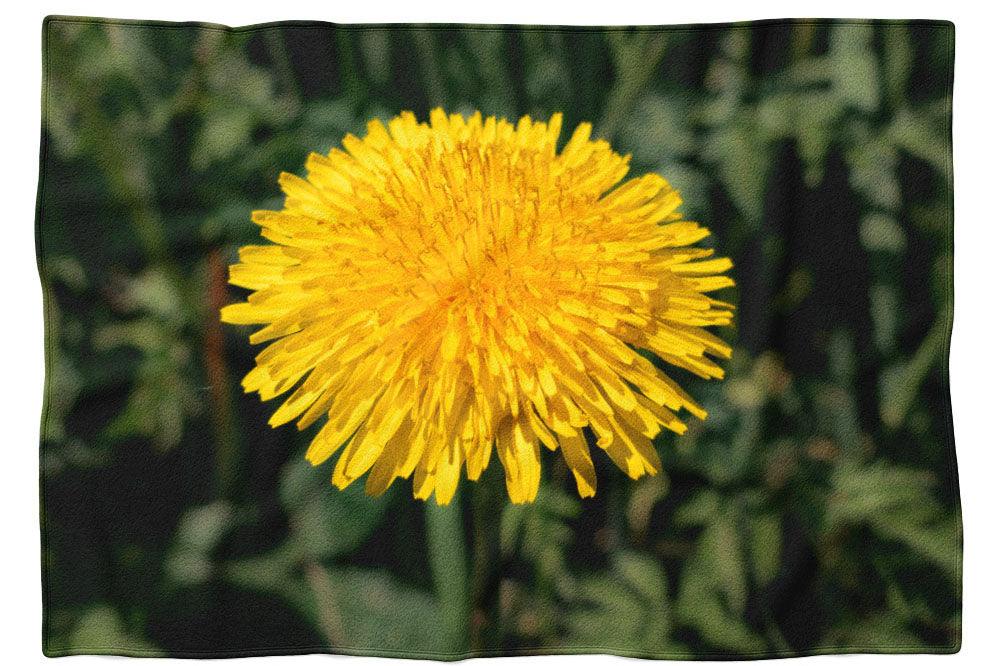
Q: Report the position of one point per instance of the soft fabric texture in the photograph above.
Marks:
(452, 341)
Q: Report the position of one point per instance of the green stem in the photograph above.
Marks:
(433, 83)
(487, 618)
(636, 60)
(282, 64)
(446, 550)
(897, 403)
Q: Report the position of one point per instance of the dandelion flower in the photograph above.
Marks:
(437, 290)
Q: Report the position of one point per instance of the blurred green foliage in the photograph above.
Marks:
(816, 510)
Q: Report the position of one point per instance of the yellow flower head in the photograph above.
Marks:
(437, 290)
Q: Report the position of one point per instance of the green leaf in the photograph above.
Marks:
(922, 135)
(881, 233)
(873, 162)
(742, 157)
(713, 588)
(223, 132)
(326, 521)
(897, 503)
(101, 630)
(377, 612)
(899, 61)
(853, 66)
(541, 531)
(278, 573)
(886, 314)
(765, 546)
(700, 509)
(885, 629)
(271, 572)
(900, 384)
(199, 531)
(658, 129)
(809, 117)
(626, 609)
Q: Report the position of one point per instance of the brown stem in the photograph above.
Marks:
(217, 374)
(327, 610)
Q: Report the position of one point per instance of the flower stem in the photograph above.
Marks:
(217, 375)
(447, 553)
(325, 598)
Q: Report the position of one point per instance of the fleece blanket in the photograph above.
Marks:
(443, 341)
